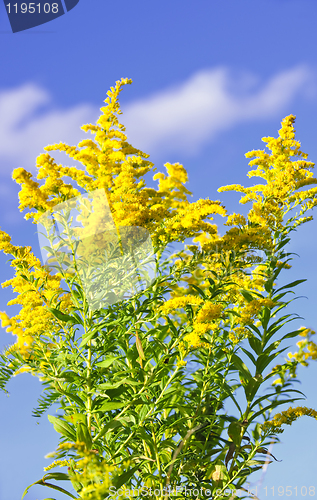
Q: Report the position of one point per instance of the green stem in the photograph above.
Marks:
(148, 413)
(158, 463)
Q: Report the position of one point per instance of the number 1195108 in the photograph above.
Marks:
(290, 491)
(32, 8)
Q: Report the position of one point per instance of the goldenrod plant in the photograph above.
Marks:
(143, 374)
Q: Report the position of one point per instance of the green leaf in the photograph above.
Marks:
(290, 285)
(228, 390)
(283, 243)
(249, 355)
(256, 330)
(75, 418)
(86, 337)
(62, 427)
(146, 437)
(199, 290)
(242, 368)
(264, 360)
(113, 424)
(111, 406)
(107, 362)
(267, 396)
(78, 319)
(108, 385)
(58, 476)
(73, 397)
(61, 316)
(255, 344)
(123, 478)
(272, 330)
(218, 473)
(253, 386)
(49, 485)
(246, 294)
(271, 406)
(277, 325)
(266, 315)
(290, 335)
(83, 435)
(235, 431)
(139, 348)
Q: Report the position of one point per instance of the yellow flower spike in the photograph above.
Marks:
(57, 463)
(193, 339)
(33, 319)
(235, 220)
(179, 302)
(5, 320)
(209, 311)
(288, 417)
(283, 178)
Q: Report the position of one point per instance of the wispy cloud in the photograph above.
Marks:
(187, 116)
(181, 118)
(29, 122)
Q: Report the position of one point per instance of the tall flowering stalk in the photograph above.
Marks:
(143, 381)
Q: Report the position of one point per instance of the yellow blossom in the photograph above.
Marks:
(284, 177)
(179, 302)
(209, 311)
(287, 417)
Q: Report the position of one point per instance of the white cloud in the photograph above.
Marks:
(28, 124)
(182, 118)
(187, 116)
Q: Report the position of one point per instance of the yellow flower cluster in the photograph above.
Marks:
(112, 164)
(181, 362)
(179, 302)
(238, 333)
(194, 337)
(57, 463)
(301, 356)
(172, 185)
(216, 261)
(252, 309)
(90, 470)
(202, 323)
(288, 417)
(235, 220)
(209, 311)
(283, 176)
(259, 277)
(237, 239)
(33, 319)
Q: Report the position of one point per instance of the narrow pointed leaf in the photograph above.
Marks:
(107, 362)
(111, 406)
(49, 485)
(290, 285)
(62, 427)
(61, 316)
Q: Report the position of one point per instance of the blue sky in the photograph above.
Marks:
(210, 79)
